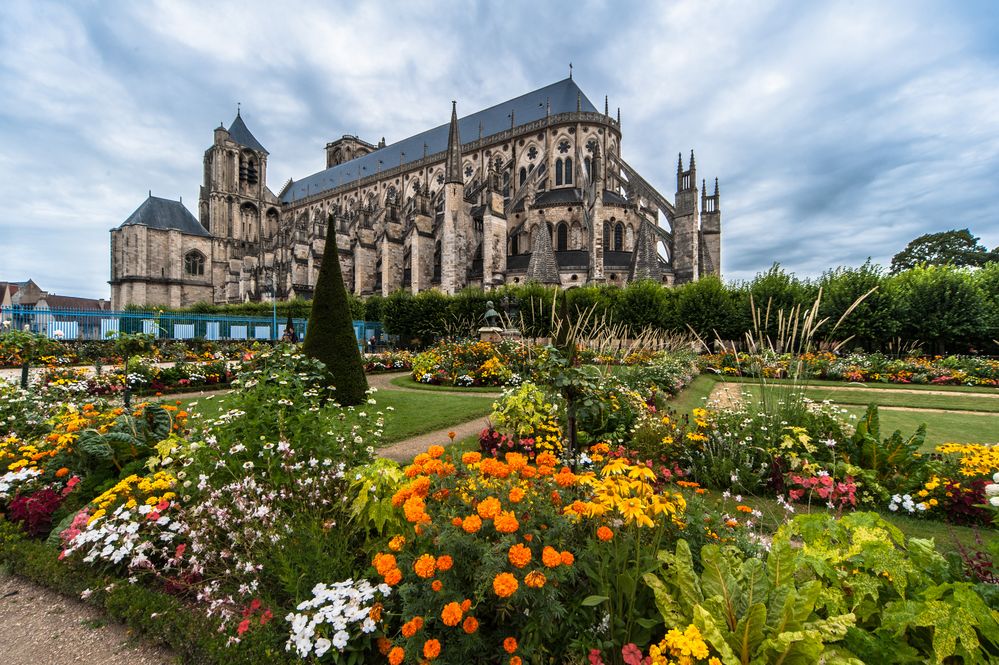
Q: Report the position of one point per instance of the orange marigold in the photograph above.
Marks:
(396, 656)
(519, 555)
(396, 543)
(528, 537)
(489, 508)
(535, 579)
(415, 510)
(384, 645)
(565, 477)
(505, 585)
(516, 461)
(506, 522)
(528, 472)
(556, 498)
(393, 577)
(515, 660)
(431, 649)
(470, 625)
(62, 472)
(545, 470)
(435, 451)
(466, 605)
(471, 524)
(604, 533)
(567, 558)
(744, 509)
(376, 612)
(550, 557)
(510, 644)
(451, 614)
(471, 458)
(437, 585)
(456, 521)
(383, 563)
(516, 495)
(425, 566)
(412, 626)
(546, 459)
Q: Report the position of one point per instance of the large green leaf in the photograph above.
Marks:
(719, 580)
(668, 607)
(949, 622)
(712, 633)
(749, 632)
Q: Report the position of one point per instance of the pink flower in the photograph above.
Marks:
(180, 550)
(595, 658)
(631, 654)
(244, 626)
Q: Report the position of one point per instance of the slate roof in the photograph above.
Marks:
(157, 213)
(241, 135)
(495, 119)
(614, 198)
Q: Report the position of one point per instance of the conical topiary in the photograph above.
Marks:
(330, 336)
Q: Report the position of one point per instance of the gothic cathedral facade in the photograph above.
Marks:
(533, 189)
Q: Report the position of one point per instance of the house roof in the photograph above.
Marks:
(157, 213)
(241, 135)
(562, 96)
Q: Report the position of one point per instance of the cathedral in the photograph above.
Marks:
(532, 189)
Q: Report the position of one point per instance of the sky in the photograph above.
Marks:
(838, 130)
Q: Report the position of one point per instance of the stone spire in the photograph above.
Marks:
(542, 267)
(452, 164)
(645, 258)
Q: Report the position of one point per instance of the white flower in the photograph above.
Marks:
(994, 501)
(322, 646)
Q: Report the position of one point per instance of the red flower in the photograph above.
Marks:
(244, 626)
(180, 550)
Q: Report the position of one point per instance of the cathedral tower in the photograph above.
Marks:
(710, 240)
(456, 233)
(686, 226)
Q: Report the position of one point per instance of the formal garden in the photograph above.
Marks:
(637, 495)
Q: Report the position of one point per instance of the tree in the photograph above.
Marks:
(330, 336)
(939, 305)
(873, 323)
(957, 248)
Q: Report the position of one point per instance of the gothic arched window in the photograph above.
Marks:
(558, 172)
(515, 244)
(194, 263)
(589, 168)
(568, 170)
(523, 175)
(607, 231)
(619, 237)
(562, 241)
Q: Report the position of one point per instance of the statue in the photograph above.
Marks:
(493, 319)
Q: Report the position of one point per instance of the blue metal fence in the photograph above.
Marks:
(78, 324)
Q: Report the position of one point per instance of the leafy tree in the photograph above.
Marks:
(774, 291)
(874, 321)
(957, 248)
(709, 308)
(646, 304)
(330, 336)
(987, 281)
(939, 305)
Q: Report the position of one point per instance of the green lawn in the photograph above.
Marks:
(872, 384)
(940, 427)
(693, 396)
(413, 413)
(408, 382)
(865, 396)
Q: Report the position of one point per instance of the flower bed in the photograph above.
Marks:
(859, 367)
(273, 524)
(388, 361)
(144, 377)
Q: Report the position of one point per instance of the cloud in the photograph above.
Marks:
(838, 131)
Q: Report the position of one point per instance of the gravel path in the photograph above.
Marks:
(42, 627)
(725, 395)
(908, 391)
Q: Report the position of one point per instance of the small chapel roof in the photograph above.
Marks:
(157, 213)
(242, 135)
(564, 96)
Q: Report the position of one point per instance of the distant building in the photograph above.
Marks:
(533, 189)
(29, 295)
(26, 304)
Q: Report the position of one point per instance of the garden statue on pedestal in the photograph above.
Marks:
(491, 332)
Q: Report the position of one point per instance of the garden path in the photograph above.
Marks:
(403, 451)
(725, 395)
(41, 626)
